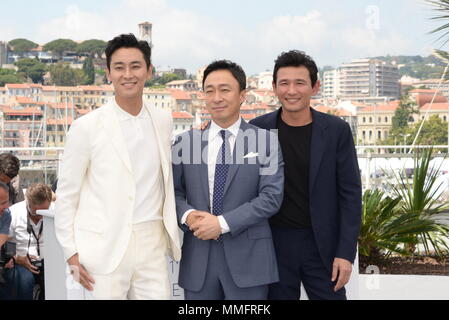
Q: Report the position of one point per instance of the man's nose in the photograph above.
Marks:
(217, 97)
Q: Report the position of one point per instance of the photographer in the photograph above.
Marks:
(5, 216)
(26, 232)
(9, 174)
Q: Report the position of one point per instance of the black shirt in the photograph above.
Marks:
(295, 145)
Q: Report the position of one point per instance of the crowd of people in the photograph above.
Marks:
(22, 272)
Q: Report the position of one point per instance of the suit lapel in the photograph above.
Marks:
(317, 146)
(114, 132)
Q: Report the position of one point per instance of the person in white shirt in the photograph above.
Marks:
(26, 232)
(115, 208)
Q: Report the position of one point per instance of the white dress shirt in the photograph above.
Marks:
(19, 234)
(140, 139)
(215, 142)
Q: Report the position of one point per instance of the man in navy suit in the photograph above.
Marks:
(315, 232)
(228, 181)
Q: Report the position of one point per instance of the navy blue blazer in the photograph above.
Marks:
(335, 190)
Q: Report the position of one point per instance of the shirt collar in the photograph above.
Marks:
(215, 128)
(123, 115)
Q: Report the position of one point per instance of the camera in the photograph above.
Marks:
(7, 252)
(38, 264)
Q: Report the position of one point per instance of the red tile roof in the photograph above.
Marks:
(180, 95)
(422, 99)
(390, 106)
(181, 115)
(435, 106)
(21, 112)
(25, 100)
(17, 86)
(90, 88)
(68, 89)
(60, 121)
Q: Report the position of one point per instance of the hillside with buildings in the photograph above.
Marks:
(364, 92)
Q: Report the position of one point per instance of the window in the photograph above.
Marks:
(444, 118)
(370, 120)
(379, 120)
(379, 135)
(370, 134)
(364, 120)
(386, 119)
(364, 134)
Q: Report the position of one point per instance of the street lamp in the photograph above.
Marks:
(405, 137)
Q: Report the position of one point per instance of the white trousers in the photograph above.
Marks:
(143, 272)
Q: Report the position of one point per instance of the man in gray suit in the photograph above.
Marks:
(228, 182)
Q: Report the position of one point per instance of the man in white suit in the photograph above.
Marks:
(115, 210)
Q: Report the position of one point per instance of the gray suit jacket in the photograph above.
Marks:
(253, 193)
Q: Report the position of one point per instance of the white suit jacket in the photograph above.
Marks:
(96, 190)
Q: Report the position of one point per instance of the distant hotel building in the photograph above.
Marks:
(363, 80)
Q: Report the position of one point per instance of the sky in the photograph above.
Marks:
(191, 34)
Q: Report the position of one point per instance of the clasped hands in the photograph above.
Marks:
(204, 225)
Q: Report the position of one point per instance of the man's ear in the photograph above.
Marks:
(316, 87)
(242, 97)
(108, 74)
(150, 72)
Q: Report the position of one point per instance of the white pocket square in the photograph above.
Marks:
(251, 155)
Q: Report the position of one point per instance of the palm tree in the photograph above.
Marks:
(442, 7)
(385, 229)
(420, 198)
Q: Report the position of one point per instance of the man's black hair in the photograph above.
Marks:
(232, 67)
(296, 58)
(128, 41)
(9, 165)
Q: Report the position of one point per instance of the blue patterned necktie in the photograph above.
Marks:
(221, 172)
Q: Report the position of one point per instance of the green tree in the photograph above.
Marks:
(92, 47)
(433, 132)
(22, 45)
(60, 46)
(403, 112)
(89, 70)
(32, 68)
(63, 75)
(4, 72)
(10, 78)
